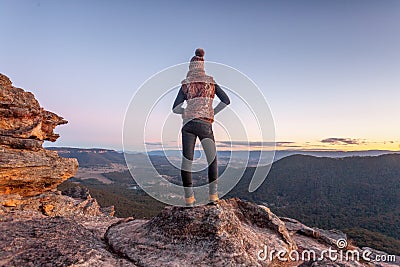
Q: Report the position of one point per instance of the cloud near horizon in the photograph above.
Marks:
(153, 143)
(255, 143)
(342, 141)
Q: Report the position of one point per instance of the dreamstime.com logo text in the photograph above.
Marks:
(332, 254)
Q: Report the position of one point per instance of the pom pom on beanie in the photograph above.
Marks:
(199, 52)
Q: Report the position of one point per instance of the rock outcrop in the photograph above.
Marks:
(26, 168)
(229, 234)
(55, 230)
(233, 233)
(38, 225)
(53, 241)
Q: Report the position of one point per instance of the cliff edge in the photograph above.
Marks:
(38, 225)
(26, 168)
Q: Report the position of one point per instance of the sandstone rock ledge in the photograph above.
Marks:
(55, 230)
(25, 167)
(229, 234)
(38, 225)
(76, 233)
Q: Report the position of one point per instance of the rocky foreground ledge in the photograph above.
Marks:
(230, 234)
(233, 233)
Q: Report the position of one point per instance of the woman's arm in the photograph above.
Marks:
(180, 98)
(223, 97)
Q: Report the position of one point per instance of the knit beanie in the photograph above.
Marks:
(197, 61)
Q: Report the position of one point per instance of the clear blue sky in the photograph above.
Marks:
(329, 69)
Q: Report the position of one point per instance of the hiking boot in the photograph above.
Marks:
(190, 201)
(213, 199)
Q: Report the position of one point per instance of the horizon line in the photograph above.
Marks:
(234, 150)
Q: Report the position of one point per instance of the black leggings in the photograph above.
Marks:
(190, 131)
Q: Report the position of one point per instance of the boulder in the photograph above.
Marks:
(229, 234)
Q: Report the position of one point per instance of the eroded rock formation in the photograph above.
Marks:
(229, 234)
(233, 233)
(55, 230)
(26, 168)
(38, 225)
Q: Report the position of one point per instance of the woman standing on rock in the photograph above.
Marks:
(199, 89)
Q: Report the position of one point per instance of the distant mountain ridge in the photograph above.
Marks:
(91, 157)
(101, 156)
